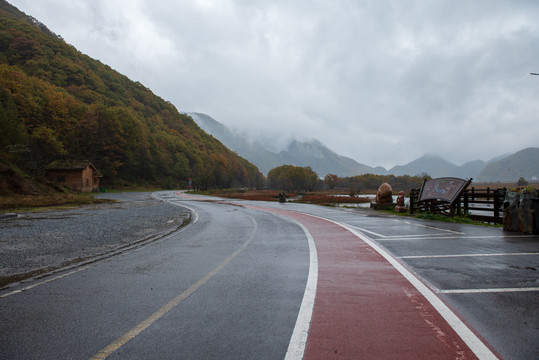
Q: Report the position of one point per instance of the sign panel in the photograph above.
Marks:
(445, 189)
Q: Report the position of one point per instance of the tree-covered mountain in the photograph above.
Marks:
(507, 168)
(312, 153)
(57, 103)
(264, 159)
(436, 166)
(524, 163)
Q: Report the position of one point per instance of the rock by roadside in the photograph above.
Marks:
(33, 242)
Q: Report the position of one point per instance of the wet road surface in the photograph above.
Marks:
(231, 285)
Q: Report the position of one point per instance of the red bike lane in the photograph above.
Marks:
(366, 309)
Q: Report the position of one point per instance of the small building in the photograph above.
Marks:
(77, 175)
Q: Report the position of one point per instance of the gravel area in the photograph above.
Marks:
(33, 242)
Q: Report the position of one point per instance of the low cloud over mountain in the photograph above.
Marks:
(321, 159)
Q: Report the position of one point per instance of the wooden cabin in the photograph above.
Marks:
(77, 175)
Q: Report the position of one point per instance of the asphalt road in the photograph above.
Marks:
(231, 285)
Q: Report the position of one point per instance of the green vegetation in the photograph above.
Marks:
(452, 219)
(522, 182)
(372, 182)
(331, 181)
(332, 200)
(292, 178)
(56, 103)
(253, 195)
(438, 217)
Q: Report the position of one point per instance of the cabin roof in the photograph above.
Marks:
(70, 165)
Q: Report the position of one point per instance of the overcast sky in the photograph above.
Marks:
(383, 82)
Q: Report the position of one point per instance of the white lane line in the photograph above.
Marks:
(298, 341)
(389, 237)
(430, 227)
(361, 229)
(467, 335)
(398, 237)
(455, 237)
(484, 291)
(44, 282)
(463, 255)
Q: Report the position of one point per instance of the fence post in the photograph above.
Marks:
(498, 201)
(466, 203)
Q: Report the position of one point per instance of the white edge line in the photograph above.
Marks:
(443, 237)
(193, 211)
(484, 291)
(468, 336)
(464, 255)
(298, 340)
(44, 282)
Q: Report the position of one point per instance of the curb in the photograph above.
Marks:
(8, 215)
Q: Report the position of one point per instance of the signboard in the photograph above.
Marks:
(445, 189)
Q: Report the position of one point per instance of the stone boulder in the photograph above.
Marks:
(384, 195)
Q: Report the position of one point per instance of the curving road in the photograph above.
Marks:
(256, 280)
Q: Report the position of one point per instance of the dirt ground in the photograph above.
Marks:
(36, 242)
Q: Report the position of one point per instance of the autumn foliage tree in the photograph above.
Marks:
(373, 182)
(292, 178)
(331, 180)
(56, 103)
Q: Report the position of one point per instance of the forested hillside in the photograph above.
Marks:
(522, 164)
(57, 103)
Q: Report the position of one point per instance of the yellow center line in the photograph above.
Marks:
(118, 343)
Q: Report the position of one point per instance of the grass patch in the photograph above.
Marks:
(254, 195)
(36, 202)
(452, 219)
(330, 200)
(440, 217)
(133, 188)
(318, 198)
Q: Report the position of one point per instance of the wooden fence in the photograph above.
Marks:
(479, 204)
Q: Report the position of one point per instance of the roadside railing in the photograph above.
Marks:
(479, 204)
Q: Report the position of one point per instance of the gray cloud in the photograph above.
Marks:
(383, 82)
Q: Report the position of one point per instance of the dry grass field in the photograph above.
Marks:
(321, 198)
(26, 202)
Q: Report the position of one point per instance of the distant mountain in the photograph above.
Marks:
(472, 169)
(506, 168)
(322, 160)
(432, 165)
(264, 159)
(524, 163)
(313, 153)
